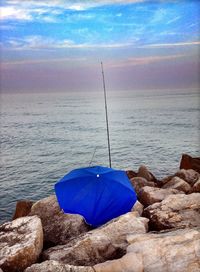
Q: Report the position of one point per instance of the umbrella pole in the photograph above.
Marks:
(106, 110)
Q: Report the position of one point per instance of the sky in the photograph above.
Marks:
(57, 45)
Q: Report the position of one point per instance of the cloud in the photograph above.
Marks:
(83, 5)
(72, 4)
(39, 43)
(8, 27)
(23, 9)
(163, 45)
(49, 11)
(77, 7)
(7, 64)
(11, 12)
(144, 60)
(158, 16)
(36, 42)
(173, 20)
(22, 13)
(49, 19)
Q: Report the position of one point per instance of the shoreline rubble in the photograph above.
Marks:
(160, 233)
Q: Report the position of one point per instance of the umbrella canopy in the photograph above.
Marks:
(97, 193)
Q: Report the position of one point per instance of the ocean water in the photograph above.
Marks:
(43, 136)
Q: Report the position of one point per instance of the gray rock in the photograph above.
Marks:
(150, 195)
(175, 211)
(177, 251)
(54, 266)
(138, 183)
(58, 227)
(99, 245)
(21, 243)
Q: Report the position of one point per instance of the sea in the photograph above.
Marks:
(46, 135)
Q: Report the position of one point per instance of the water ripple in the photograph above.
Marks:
(43, 137)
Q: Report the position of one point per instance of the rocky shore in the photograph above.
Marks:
(160, 233)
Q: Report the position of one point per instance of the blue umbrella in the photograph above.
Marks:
(97, 193)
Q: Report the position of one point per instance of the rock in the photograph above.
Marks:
(138, 183)
(21, 243)
(187, 162)
(177, 251)
(105, 243)
(143, 172)
(196, 187)
(54, 266)
(138, 207)
(131, 174)
(178, 184)
(128, 263)
(23, 208)
(150, 195)
(165, 180)
(58, 227)
(175, 211)
(190, 176)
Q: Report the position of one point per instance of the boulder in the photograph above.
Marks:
(177, 251)
(190, 176)
(188, 162)
(23, 208)
(58, 227)
(165, 180)
(175, 211)
(128, 263)
(138, 183)
(131, 174)
(178, 184)
(21, 243)
(99, 245)
(150, 195)
(138, 207)
(144, 172)
(196, 187)
(54, 266)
